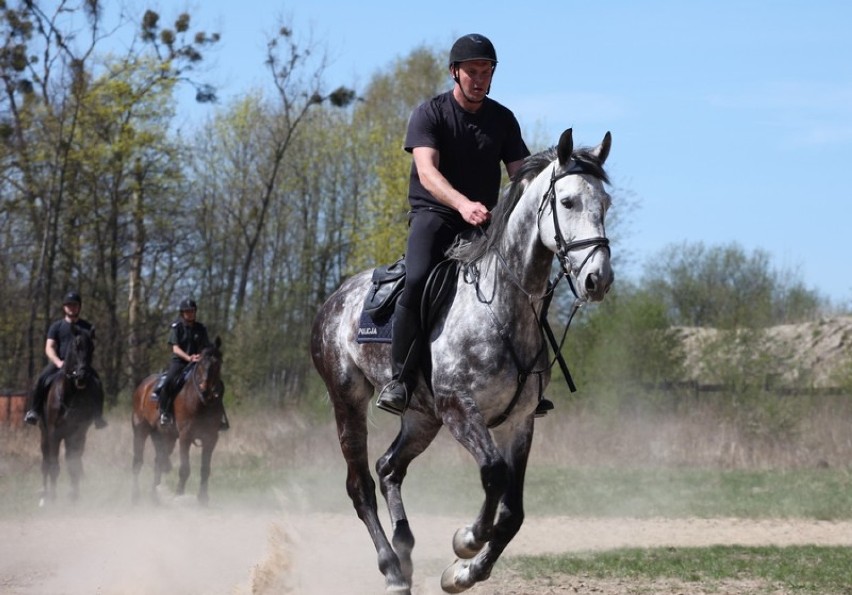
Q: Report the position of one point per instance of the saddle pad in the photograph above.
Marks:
(370, 331)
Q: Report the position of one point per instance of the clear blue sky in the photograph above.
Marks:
(731, 120)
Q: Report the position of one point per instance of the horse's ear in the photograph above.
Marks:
(602, 150)
(565, 146)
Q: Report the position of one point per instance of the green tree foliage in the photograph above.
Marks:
(80, 138)
(381, 121)
(725, 287)
(623, 349)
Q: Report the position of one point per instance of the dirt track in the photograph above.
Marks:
(181, 549)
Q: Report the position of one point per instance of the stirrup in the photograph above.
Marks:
(544, 405)
(165, 419)
(393, 398)
(31, 417)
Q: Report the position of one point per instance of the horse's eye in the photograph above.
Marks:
(568, 203)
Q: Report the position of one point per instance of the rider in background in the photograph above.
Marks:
(60, 335)
(458, 140)
(187, 339)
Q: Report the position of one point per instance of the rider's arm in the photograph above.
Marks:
(50, 351)
(183, 354)
(426, 159)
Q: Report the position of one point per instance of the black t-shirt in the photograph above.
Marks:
(192, 339)
(61, 332)
(471, 145)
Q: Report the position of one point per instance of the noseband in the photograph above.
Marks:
(563, 247)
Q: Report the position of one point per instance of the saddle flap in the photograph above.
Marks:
(387, 284)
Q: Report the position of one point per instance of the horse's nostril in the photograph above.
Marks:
(591, 282)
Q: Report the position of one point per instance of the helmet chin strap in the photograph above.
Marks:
(461, 88)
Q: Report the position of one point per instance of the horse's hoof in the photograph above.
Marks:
(465, 544)
(451, 582)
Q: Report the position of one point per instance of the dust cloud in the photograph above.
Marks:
(301, 535)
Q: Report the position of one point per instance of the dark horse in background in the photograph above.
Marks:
(198, 412)
(69, 410)
(483, 348)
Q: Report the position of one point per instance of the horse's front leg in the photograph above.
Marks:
(416, 434)
(49, 464)
(207, 446)
(465, 422)
(75, 445)
(183, 470)
(141, 430)
(464, 573)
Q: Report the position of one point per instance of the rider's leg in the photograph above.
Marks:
(405, 361)
(35, 405)
(164, 394)
(430, 235)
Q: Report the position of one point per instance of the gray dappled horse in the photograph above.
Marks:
(480, 345)
(69, 410)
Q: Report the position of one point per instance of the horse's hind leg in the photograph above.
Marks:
(416, 434)
(352, 433)
(162, 459)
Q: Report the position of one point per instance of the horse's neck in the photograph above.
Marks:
(527, 261)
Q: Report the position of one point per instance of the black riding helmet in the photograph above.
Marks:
(472, 46)
(188, 304)
(72, 297)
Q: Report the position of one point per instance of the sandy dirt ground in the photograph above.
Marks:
(182, 549)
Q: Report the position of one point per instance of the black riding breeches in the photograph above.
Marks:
(430, 235)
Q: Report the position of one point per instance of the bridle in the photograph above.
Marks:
(79, 372)
(210, 390)
(563, 247)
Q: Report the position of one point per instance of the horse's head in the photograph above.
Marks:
(572, 213)
(77, 364)
(208, 370)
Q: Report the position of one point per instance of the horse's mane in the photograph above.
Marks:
(467, 250)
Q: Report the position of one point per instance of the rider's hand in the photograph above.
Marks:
(474, 213)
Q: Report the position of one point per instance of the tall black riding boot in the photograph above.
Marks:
(36, 404)
(406, 342)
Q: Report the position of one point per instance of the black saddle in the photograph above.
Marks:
(389, 280)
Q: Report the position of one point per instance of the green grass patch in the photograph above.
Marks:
(798, 569)
(676, 493)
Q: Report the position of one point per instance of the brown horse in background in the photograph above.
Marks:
(198, 412)
(69, 410)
